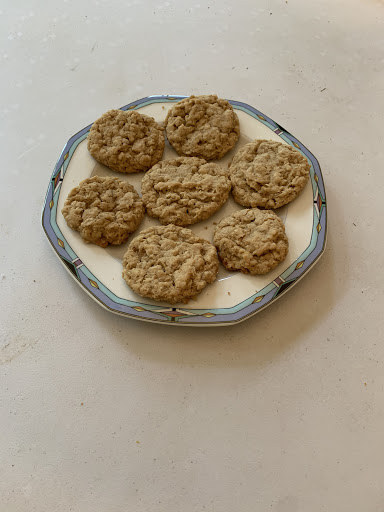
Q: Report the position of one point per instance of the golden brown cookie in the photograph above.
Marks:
(267, 174)
(126, 141)
(252, 241)
(105, 210)
(169, 263)
(202, 126)
(184, 190)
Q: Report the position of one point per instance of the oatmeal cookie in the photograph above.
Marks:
(252, 241)
(267, 174)
(105, 210)
(169, 263)
(184, 190)
(202, 126)
(126, 141)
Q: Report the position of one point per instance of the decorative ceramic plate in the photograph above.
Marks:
(234, 296)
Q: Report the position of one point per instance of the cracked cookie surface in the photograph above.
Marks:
(169, 263)
(105, 210)
(126, 141)
(202, 126)
(252, 241)
(184, 190)
(267, 174)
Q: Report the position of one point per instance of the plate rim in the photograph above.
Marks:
(185, 316)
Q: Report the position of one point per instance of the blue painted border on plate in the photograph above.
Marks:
(186, 316)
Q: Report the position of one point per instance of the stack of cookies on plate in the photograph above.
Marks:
(169, 262)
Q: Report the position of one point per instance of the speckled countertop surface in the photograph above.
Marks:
(284, 412)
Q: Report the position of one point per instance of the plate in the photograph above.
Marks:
(233, 297)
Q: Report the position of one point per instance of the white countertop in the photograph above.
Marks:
(283, 412)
